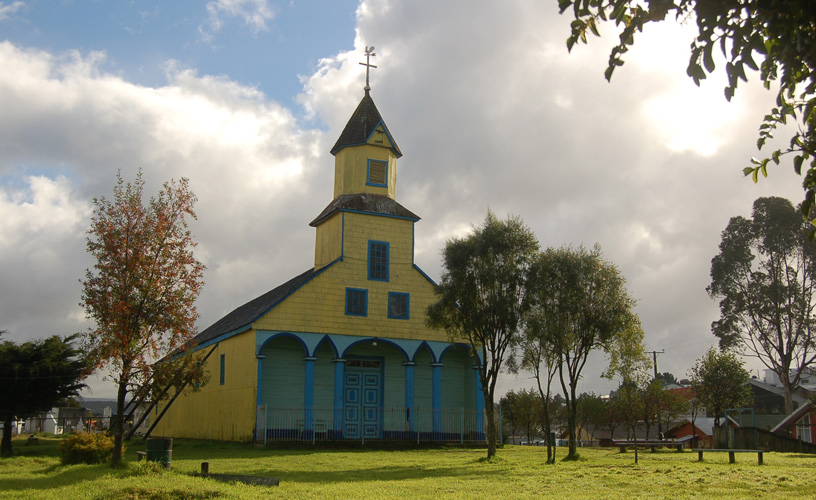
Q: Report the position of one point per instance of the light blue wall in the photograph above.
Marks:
(422, 380)
(283, 373)
(324, 377)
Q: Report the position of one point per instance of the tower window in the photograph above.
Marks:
(399, 305)
(223, 369)
(378, 260)
(377, 173)
(356, 302)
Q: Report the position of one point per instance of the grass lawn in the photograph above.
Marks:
(519, 472)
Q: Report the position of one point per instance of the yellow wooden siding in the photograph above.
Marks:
(221, 412)
(328, 240)
(319, 305)
(351, 169)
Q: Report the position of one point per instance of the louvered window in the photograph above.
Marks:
(377, 173)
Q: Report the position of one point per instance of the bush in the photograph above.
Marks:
(86, 448)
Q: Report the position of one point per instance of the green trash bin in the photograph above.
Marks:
(160, 450)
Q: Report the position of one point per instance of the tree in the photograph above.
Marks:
(521, 410)
(591, 412)
(142, 289)
(720, 382)
(764, 278)
(538, 356)
(672, 406)
(667, 378)
(583, 306)
(482, 297)
(35, 375)
(651, 396)
(775, 37)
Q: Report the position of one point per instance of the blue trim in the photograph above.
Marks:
(436, 395)
(423, 274)
(407, 305)
(286, 334)
(451, 346)
(368, 173)
(379, 339)
(223, 336)
(413, 219)
(387, 263)
(339, 376)
(223, 369)
(365, 301)
(409, 393)
(258, 389)
(382, 124)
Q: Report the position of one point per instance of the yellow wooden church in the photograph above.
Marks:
(340, 352)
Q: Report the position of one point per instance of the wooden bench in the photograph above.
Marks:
(679, 446)
(731, 453)
(141, 455)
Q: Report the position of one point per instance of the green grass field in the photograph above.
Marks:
(519, 472)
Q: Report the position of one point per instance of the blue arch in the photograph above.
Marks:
(285, 334)
(427, 346)
(379, 339)
(326, 339)
(451, 346)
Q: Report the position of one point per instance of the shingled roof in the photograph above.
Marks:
(379, 204)
(246, 314)
(361, 125)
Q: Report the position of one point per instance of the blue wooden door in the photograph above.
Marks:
(363, 404)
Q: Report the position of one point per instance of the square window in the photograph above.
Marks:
(399, 305)
(377, 173)
(356, 302)
(378, 260)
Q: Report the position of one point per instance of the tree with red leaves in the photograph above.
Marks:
(141, 292)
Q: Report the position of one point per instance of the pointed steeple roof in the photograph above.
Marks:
(362, 124)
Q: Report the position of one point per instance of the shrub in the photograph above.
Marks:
(83, 447)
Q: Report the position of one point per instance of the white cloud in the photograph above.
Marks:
(254, 14)
(7, 11)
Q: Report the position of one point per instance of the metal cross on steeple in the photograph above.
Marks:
(369, 51)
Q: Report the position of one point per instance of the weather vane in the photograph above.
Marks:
(369, 51)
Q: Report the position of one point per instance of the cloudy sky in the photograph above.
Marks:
(246, 97)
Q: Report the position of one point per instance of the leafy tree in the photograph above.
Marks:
(667, 378)
(775, 37)
(35, 375)
(651, 396)
(142, 289)
(521, 410)
(672, 406)
(584, 306)
(720, 382)
(539, 357)
(482, 297)
(591, 413)
(629, 363)
(764, 277)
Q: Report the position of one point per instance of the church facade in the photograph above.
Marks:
(342, 351)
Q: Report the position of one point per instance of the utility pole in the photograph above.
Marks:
(654, 357)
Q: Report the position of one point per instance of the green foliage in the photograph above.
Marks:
(775, 37)
(765, 279)
(85, 448)
(720, 382)
(521, 412)
(482, 296)
(35, 375)
(579, 303)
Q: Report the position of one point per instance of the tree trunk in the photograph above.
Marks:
(119, 424)
(572, 423)
(5, 447)
(490, 413)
